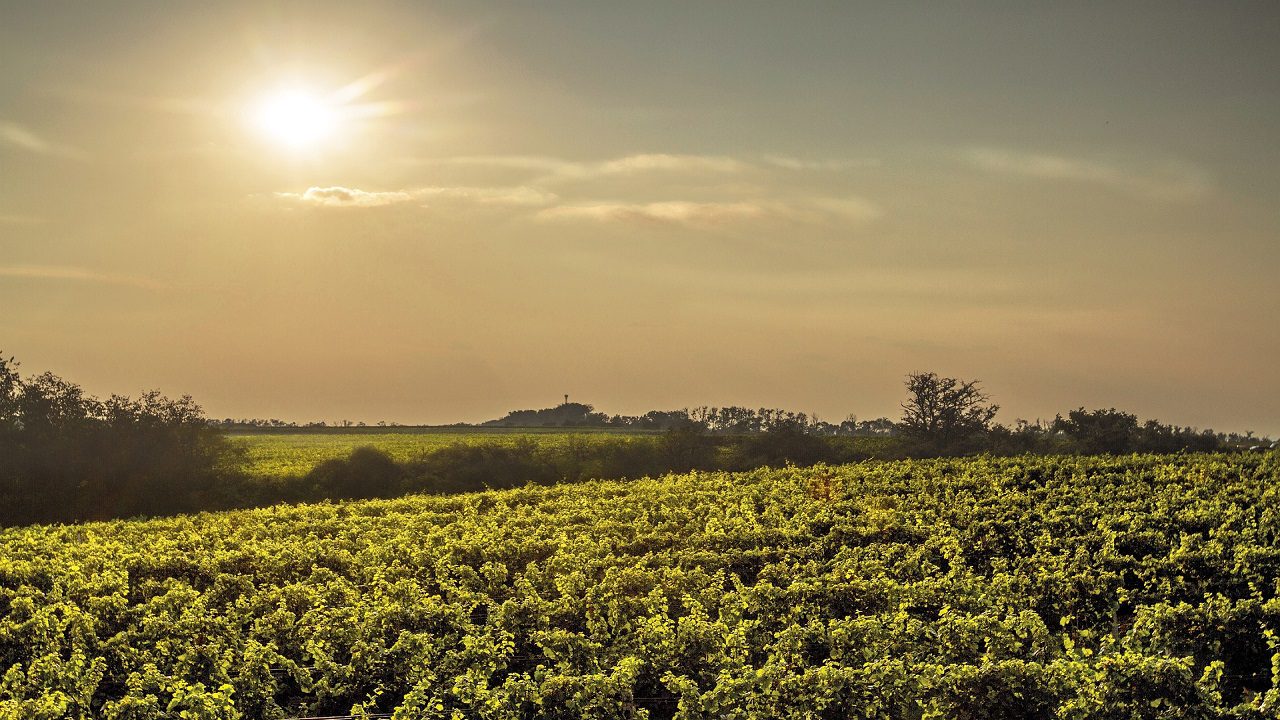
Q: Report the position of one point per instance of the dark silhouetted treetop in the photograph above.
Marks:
(943, 410)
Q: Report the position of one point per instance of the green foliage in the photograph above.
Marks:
(944, 412)
(277, 455)
(476, 461)
(65, 455)
(1064, 587)
(1100, 431)
(367, 473)
(69, 457)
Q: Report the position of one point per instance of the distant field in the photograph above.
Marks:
(282, 454)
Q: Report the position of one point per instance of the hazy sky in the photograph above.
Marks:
(466, 208)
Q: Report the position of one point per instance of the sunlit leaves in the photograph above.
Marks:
(981, 588)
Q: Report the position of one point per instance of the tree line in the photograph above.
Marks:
(941, 416)
(65, 455)
(68, 456)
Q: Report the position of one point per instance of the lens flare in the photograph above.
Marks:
(296, 119)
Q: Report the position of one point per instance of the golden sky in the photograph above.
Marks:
(431, 212)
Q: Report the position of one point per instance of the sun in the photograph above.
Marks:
(296, 119)
(313, 121)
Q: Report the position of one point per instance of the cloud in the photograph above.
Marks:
(787, 162)
(664, 162)
(347, 197)
(1170, 181)
(709, 197)
(488, 196)
(678, 212)
(76, 274)
(816, 210)
(850, 209)
(24, 139)
(343, 197)
(551, 168)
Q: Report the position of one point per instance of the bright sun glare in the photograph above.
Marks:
(296, 119)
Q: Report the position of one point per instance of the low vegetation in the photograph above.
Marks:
(1066, 587)
(66, 456)
(295, 453)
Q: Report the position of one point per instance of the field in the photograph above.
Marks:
(1132, 587)
(284, 454)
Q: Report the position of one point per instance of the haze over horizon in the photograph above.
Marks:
(439, 212)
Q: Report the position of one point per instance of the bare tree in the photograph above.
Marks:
(944, 410)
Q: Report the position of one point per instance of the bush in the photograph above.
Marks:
(1100, 431)
(67, 456)
(462, 468)
(782, 445)
(367, 473)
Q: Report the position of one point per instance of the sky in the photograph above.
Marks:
(428, 212)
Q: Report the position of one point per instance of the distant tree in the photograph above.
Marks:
(738, 420)
(10, 384)
(879, 426)
(943, 411)
(655, 420)
(65, 455)
(11, 484)
(1100, 431)
(1158, 437)
(1023, 437)
(685, 446)
(565, 415)
(784, 440)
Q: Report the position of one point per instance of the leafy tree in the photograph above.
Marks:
(1100, 431)
(943, 410)
(10, 384)
(563, 415)
(1160, 438)
(785, 441)
(686, 446)
(65, 455)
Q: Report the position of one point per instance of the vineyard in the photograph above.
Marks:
(293, 454)
(1060, 587)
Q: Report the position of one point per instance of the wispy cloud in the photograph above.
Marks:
(665, 162)
(347, 197)
(1172, 181)
(344, 197)
(24, 139)
(709, 190)
(849, 209)
(521, 196)
(552, 168)
(77, 274)
(787, 162)
(821, 210)
(678, 212)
